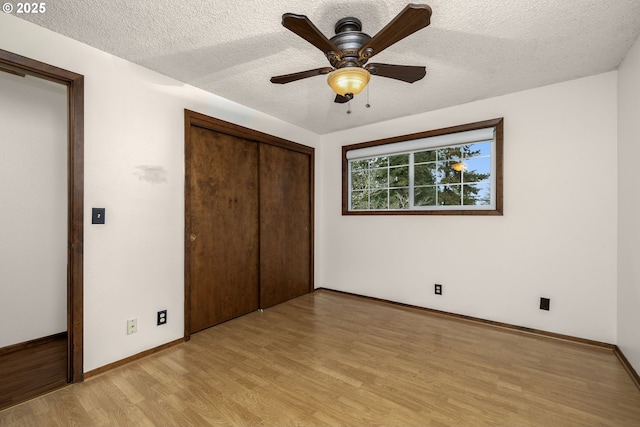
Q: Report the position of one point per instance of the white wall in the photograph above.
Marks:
(557, 238)
(33, 208)
(134, 167)
(629, 206)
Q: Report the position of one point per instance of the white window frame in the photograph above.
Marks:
(486, 131)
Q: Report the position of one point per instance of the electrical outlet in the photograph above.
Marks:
(438, 289)
(132, 326)
(162, 317)
(545, 303)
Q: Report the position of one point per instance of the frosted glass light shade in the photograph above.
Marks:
(348, 80)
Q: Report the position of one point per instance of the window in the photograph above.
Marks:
(447, 171)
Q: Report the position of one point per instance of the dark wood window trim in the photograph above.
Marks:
(497, 123)
(75, 97)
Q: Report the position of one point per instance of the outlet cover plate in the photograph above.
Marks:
(162, 317)
(132, 326)
(438, 289)
(545, 303)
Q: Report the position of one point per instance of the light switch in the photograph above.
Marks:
(97, 215)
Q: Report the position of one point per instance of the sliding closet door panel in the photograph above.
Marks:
(222, 234)
(285, 224)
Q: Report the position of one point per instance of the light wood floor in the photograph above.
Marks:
(333, 359)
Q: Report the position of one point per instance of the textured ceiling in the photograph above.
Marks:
(473, 49)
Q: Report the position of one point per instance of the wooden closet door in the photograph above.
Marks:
(222, 227)
(285, 224)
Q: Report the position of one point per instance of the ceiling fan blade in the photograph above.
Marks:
(302, 26)
(288, 78)
(406, 73)
(411, 19)
(342, 99)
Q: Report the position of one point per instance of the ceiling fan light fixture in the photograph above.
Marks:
(348, 80)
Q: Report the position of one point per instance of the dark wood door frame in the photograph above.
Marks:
(192, 118)
(75, 175)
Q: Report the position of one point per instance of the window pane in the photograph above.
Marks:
(379, 162)
(478, 149)
(425, 174)
(379, 199)
(359, 200)
(425, 196)
(379, 178)
(476, 194)
(402, 159)
(478, 169)
(399, 198)
(399, 177)
(447, 174)
(450, 153)
(425, 156)
(359, 165)
(449, 195)
(360, 180)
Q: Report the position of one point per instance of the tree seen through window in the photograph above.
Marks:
(447, 176)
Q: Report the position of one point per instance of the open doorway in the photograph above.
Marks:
(22, 380)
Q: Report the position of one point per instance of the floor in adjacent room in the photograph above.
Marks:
(333, 359)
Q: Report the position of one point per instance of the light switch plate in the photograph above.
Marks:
(97, 215)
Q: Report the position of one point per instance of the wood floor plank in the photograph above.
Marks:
(330, 359)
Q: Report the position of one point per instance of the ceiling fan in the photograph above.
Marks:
(350, 49)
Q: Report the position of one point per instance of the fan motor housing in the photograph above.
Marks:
(349, 39)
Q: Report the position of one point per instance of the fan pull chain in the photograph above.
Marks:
(368, 105)
(349, 107)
